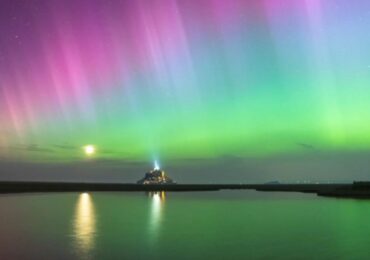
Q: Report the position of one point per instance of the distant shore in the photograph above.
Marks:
(355, 190)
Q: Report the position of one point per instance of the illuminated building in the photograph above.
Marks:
(156, 176)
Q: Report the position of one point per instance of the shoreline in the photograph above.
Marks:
(352, 190)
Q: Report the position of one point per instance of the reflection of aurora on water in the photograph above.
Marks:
(156, 213)
(84, 225)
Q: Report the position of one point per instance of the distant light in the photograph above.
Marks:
(89, 149)
(156, 165)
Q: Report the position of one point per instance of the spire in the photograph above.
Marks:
(156, 165)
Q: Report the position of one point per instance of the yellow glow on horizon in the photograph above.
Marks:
(89, 149)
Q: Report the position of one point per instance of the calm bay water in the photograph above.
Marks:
(209, 225)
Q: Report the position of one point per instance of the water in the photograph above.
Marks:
(209, 225)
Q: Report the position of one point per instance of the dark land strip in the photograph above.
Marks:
(354, 190)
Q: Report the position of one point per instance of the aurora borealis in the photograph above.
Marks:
(178, 80)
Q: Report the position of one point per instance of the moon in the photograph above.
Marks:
(89, 149)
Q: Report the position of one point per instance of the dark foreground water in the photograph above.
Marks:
(209, 225)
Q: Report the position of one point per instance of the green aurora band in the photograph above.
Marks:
(186, 79)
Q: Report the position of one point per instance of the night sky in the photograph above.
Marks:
(215, 91)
